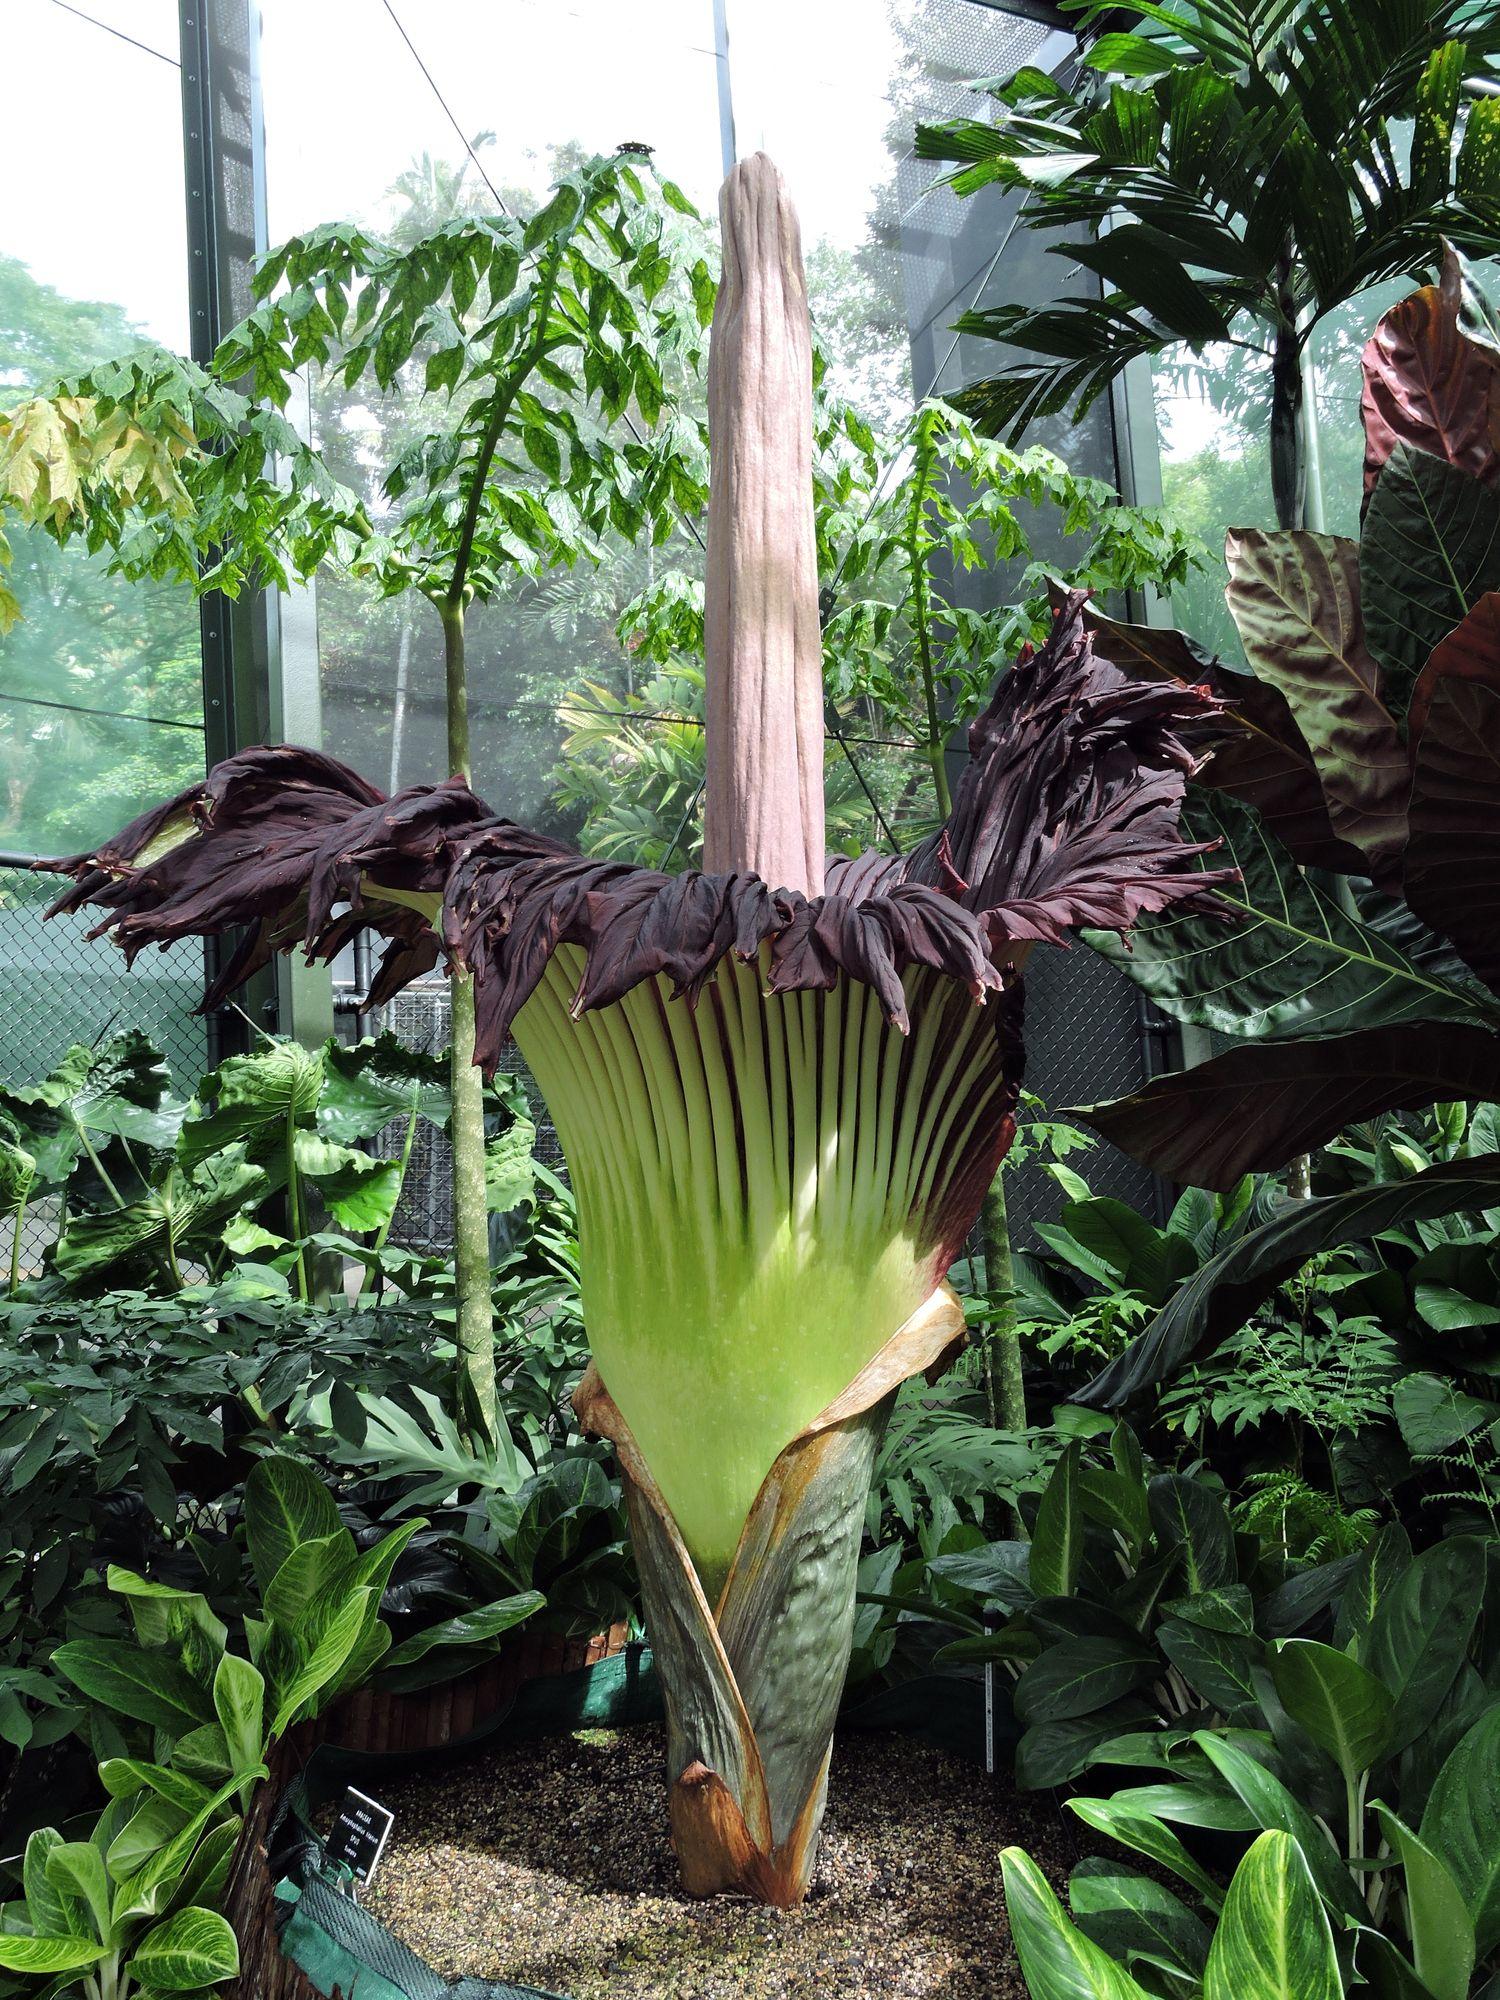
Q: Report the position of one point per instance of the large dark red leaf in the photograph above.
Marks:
(1295, 599)
(1426, 384)
(1251, 747)
(1256, 1107)
(1453, 858)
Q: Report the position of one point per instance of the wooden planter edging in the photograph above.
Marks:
(378, 1722)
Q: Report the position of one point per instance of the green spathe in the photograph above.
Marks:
(760, 1185)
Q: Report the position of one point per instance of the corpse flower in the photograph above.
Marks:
(782, 1085)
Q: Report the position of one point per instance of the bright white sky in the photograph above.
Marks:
(93, 170)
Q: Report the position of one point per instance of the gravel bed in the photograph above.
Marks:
(548, 1863)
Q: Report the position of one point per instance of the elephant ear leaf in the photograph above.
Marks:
(1426, 383)
(1295, 598)
(367, 1085)
(1452, 874)
(1057, 1960)
(1273, 1941)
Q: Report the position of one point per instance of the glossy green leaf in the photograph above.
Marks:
(1144, 1834)
(1218, 1666)
(76, 1868)
(476, 1628)
(1420, 1635)
(286, 1504)
(1272, 1806)
(1442, 1932)
(1273, 1941)
(1133, 1916)
(193, 1949)
(45, 1956)
(51, 1911)
(1461, 1825)
(240, 1704)
(1295, 961)
(311, 1572)
(1057, 1538)
(1379, 1564)
(146, 1687)
(1192, 1525)
(1079, 1675)
(1058, 1961)
(327, 1661)
(1342, 1706)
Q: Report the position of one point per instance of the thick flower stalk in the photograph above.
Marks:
(782, 1090)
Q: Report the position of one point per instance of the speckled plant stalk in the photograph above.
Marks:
(778, 1085)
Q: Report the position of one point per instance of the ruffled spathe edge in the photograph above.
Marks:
(1066, 815)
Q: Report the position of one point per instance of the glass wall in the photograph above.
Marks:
(101, 707)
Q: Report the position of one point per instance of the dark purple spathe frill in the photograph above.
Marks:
(1067, 815)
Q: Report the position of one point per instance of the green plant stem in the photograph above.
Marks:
(293, 1205)
(1004, 1383)
(934, 745)
(475, 1330)
(98, 1165)
(15, 1248)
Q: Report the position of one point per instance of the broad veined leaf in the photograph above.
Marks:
(146, 1687)
(286, 1504)
(1429, 551)
(1051, 1753)
(45, 1956)
(1188, 1802)
(1058, 1534)
(1452, 870)
(1427, 384)
(259, 1099)
(1079, 1675)
(367, 1085)
(240, 1703)
(1272, 1806)
(124, 1777)
(1145, 1834)
(1343, 1707)
(1291, 961)
(1254, 751)
(1419, 1637)
(1058, 1961)
(1252, 1109)
(327, 1661)
(477, 1629)
(1433, 1415)
(194, 1949)
(179, 1210)
(1273, 1941)
(1220, 1667)
(1461, 1825)
(359, 1191)
(76, 1868)
(50, 1910)
(1377, 1567)
(1221, 1296)
(1295, 599)
(1132, 1916)
(998, 1572)
(17, 1176)
(1192, 1524)
(154, 1824)
(1442, 1932)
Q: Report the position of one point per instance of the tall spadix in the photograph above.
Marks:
(763, 798)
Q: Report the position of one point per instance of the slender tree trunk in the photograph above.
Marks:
(1288, 440)
(398, 716)
(471, 1223)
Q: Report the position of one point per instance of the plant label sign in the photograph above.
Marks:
(359, 1834)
